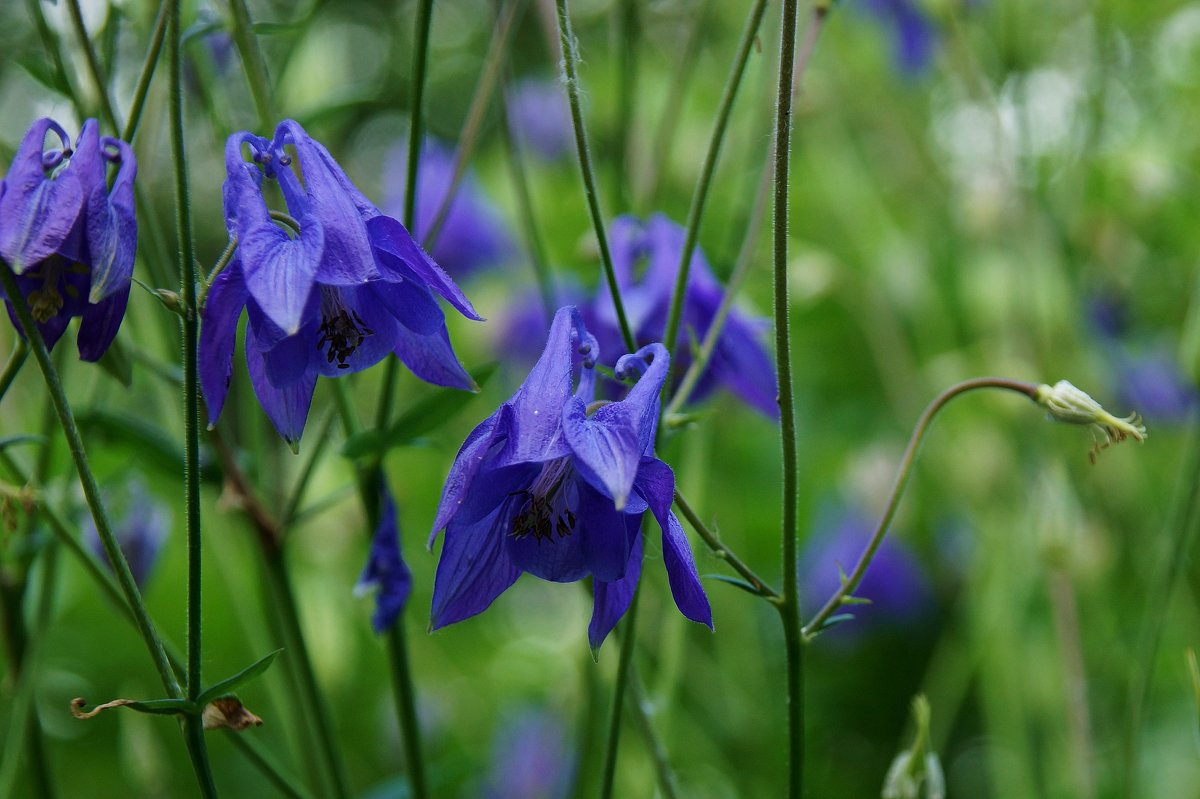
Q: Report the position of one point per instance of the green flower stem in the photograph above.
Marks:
(415, 134)
(87, 479)
(292, 507)
(15, 361)
(93, 63)
(624, 670)
(851, 582)
(253, 63)
(109, 586)
(627, 52)
(369, 483)
(533, 239)
(193, 725)
(570, 65)
(789, 607)
(493, 67)
(746, 254)
(668, 123)
(658, 753)
(147, 73)
(406, 707)
(715, 544)
(700, 194)
(23, 727)
(53, 48)
(311, 697)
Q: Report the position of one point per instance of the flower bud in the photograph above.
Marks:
(1066, 403)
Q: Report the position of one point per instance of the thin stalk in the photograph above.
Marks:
(15, 361)
(903, 473)
(493, 67)
(658, 753)
(193, 725)
(311, 696)
(700, 194)
(406, 707)
(624, 668)
(369, 486)
(746, 254)
(292, 506)
(627, 52)
(266, 766)
(789, 607)
(147, 73)
(91, 490)
(50, 42)
(1079, 723)
(93, 62)
(253, 62)
(570, 52)
(415, 135)
(717, 546)
(533, 239)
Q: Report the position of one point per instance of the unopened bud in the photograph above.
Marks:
(916, 773)
(1066, 403)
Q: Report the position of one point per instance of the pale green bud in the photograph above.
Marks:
(1066, 403)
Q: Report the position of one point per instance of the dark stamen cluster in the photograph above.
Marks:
(543, 512)
(342, 332)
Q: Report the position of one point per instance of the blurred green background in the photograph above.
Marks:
(984, 214)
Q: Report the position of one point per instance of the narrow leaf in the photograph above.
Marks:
(227, 685)
(157, 707)
(735, 581)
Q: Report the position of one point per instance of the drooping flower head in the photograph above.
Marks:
(338, 295)
(141, 530)
(740, 362)
(386, 572)
(472, 236)
(552, 485)
(70, 239)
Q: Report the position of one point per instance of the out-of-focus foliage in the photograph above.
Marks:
(981, 215)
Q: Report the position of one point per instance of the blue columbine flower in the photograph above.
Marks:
(540, 119)
(347, 289)
(141, 531)
(472, 236)
(543, 487)
(67, 236)
(386, 572)
(913, 33)
(740, 362)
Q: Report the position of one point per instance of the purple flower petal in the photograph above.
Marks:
(399, 252)
(218, 336)
(100, 323)
(287, 408)
(112, 227)
(386, 570)
(612, 599)
(473, 570)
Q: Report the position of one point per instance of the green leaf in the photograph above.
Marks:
(116, 362)
(833, 621)
(855, 600)
(426, 415)
(42, 73)
(227, 685)
(734, 581)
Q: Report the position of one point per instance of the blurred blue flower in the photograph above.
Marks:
(386, 572)
(543, 487)
(1154, 385)
(913, 32)
(894, 582)
(531, 759)
(141, 531)
(740, 362)
(349, 288)
(69, 238)
(472, 236)
(540, 119)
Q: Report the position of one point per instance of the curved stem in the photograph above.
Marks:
(903, 473)
(700, 194)
(93, 62)
(15, 361)
(570, 65)
(493, 67)
(147, 73)
(624, 668)
(715, 544)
